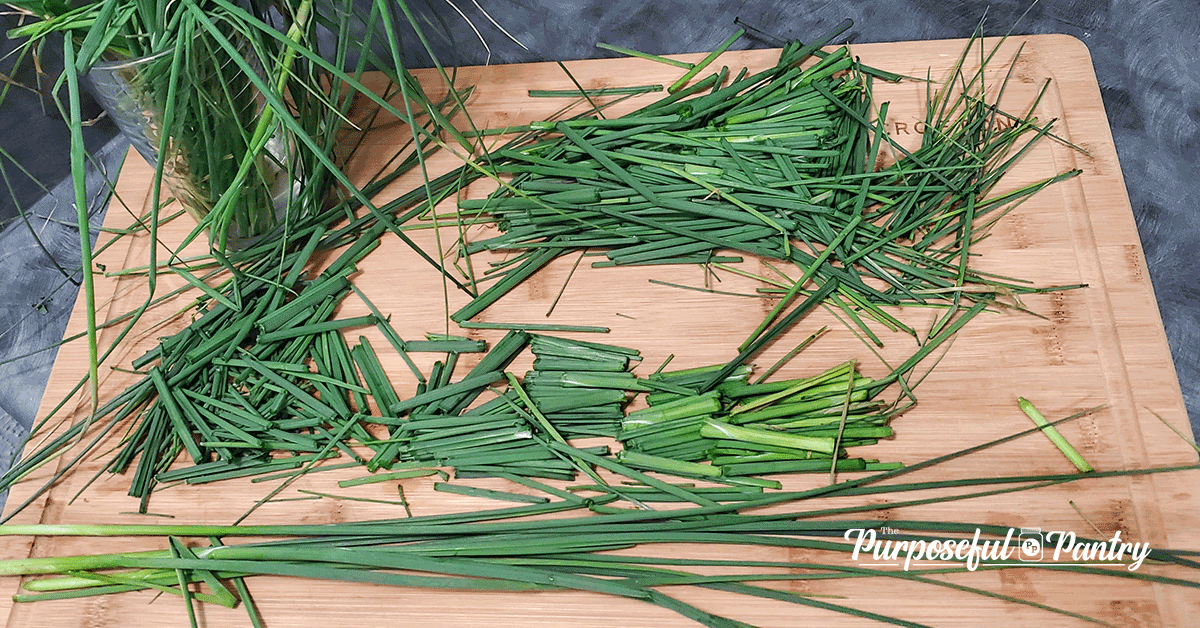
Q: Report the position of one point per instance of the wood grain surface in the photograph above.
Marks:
(1099, 346)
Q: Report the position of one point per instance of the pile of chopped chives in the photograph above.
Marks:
(262, 415)
(781, 164)
(737, 429)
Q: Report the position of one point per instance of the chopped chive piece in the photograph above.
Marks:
(645, 55)
(603, 91)
(667, 465)
(316, 328)
(1054, 435)
(712, 56)
(719, 429)
(466, 324)
(472, 491)
(388, 477)
(445, 346)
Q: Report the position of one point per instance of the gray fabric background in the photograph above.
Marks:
(1146, 55)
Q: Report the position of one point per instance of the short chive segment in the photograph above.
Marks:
(1054, 435)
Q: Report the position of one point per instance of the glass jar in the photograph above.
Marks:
(216, 112)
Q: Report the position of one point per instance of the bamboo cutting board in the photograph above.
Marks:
(1103, 345)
